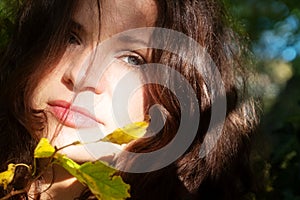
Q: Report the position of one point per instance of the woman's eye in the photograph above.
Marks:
(74, 39)
(134, 60)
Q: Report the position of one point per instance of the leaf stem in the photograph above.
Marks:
(24, 165)
(72, 144)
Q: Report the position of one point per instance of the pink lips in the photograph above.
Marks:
(72, 116)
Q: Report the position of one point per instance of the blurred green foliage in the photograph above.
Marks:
(273, 27)
(8, 12)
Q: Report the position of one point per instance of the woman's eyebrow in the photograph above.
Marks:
(77, 26)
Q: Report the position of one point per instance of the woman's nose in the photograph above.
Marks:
(83, 74)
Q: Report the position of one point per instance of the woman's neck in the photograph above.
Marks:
(57, 183)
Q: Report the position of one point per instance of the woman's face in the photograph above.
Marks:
(79, 94)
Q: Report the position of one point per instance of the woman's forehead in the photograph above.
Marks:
(116, 16)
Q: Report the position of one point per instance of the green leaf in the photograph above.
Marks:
(7, 176)
(44, 149)
(127, 134)
(98, 176)
(71, 166)
(103, 183)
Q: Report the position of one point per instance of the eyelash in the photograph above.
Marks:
(140, 60)
(74, 39)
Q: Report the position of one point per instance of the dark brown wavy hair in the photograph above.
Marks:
(40, 39)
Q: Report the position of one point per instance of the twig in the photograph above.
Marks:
(13, 193)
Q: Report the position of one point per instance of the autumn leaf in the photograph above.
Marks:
(98, 176)
(127, 134)
(44, 149)
(70, 165)
(7, 176)
(102, 181)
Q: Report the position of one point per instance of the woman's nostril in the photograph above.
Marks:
(68, 82)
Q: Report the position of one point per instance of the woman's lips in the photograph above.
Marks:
(72, 116)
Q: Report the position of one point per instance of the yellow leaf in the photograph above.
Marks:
(44, 149)
(7, 176)
(127, 134)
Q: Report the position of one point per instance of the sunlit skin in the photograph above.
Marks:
(92, 106)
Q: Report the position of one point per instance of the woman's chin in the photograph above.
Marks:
(91, 152)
